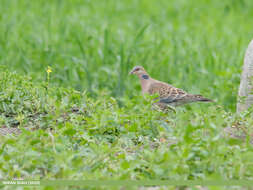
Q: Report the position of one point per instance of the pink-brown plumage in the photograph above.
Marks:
(168, 94)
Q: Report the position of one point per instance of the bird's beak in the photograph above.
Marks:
(131, 72)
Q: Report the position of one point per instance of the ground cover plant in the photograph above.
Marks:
(64, 83)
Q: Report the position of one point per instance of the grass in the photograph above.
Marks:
(91, 45)
(89, 120)
(67, 135)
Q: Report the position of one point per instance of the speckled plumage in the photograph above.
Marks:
(168, 94)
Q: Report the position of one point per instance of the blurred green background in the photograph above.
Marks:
(92, 45)
(112, 132)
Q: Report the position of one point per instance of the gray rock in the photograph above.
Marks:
(245, 95)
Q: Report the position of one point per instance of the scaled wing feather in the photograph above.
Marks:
(167, 93)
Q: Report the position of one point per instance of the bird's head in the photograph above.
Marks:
(138, 70)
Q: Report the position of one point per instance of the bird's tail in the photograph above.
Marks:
(200, 98)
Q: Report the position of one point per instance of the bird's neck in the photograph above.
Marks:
(145, 80)
(144, 76)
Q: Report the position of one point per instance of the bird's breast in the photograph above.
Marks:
(145, 86)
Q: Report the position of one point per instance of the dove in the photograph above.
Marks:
(168, 94)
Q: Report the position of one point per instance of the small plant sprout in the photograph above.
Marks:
(49, 70)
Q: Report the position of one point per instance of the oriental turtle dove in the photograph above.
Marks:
(168, 94)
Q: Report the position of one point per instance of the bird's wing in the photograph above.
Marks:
(167, 93)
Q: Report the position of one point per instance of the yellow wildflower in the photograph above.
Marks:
(49, 70)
